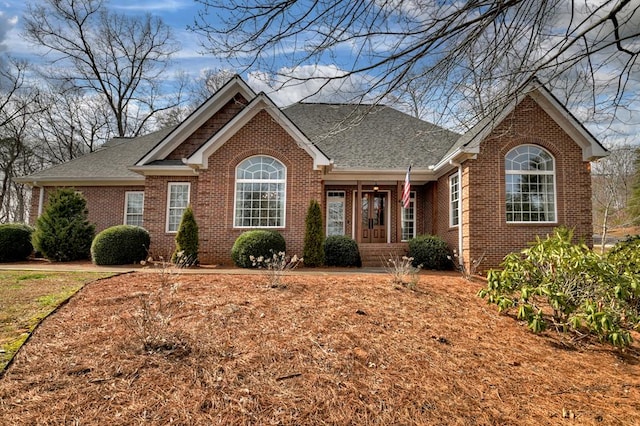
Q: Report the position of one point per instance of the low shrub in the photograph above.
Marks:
(120, 245)
(625, 258)
(567, 285)
(340, 250)
(257, 243)
(430, 252)
(15, 242)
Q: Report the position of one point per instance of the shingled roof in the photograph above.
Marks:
(371, 136)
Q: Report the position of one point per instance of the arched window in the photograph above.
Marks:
(260, 193)
(530, 185)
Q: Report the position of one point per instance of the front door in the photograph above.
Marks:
(374, 217)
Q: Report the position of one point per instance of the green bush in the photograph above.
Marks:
(625, 258)
(313, 252)
(63, 232)
(187, 242)
(120, 245)
(259, 242)
(15, 242)
(431, 252)
(340, 250)
(568, 285)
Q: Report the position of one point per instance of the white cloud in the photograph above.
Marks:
(153, 6)
(7, 23)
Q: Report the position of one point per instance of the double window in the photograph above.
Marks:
(260, 193)
(133, 207)
(530, 185)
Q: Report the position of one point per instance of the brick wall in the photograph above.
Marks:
(488, 230)
(105, 203)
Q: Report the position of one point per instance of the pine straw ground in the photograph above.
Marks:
(336, 349)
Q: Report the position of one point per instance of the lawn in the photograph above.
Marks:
(326, 349)
(28, 297)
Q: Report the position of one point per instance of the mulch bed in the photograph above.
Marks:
(336, 349)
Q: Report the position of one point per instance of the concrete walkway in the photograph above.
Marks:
(87, 266)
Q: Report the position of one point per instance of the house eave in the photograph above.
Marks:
(80, 181)
(458, 156)
(351, 175)
(161, 170)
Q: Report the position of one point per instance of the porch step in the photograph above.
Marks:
(375, 254)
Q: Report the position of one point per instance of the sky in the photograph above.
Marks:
(179, 14)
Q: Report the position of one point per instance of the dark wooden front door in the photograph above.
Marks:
(374, 217)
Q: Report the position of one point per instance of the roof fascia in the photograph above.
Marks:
(66, 181)
(197, 118)
(199, 159)
(592, 149)
(161, 170)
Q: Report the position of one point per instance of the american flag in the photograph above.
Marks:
(406, 191)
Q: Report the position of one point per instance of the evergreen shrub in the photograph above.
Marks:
(187, 241)
(15, 242)
(257, 243)
(340, 250)
(120, 245)
(431, 252)
(313, 252)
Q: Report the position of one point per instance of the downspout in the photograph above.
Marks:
(459, 166)
(40, 198)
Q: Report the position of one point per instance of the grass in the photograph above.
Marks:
(323, 349)
(26, 298)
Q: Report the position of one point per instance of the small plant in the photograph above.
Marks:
(151, 322)
(313, 236)
(276, 267)
(256, 243)
(187, 242)
(472, 270)
(15, 242)
(120, 245)
(402, 270)
(63, 232)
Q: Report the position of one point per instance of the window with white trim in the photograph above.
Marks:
(260, 193)
(177, 202)
(530, 185)
(335, 212)
(133, 207)
(454, 200)
(409, 218)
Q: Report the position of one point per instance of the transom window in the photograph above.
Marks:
(530, 185)
(133, 207)
(260, 193)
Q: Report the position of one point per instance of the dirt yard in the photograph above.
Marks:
(336, 349)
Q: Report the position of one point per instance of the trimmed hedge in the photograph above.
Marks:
(340, 250)
(259, 242)
(431, 252)
(15, 242)
(120, 245)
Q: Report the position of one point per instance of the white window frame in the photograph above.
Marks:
(334, 196)
(127, 194)
(454, 200)
(551, 173)
(412, 208)
(282, 181)
(169, 208)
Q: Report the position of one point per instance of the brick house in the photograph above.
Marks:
(243, 163)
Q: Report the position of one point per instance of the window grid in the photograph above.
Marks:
(178, 200)
(260, 193)
(454, 200)
(530, 185)
(133, 208)
(409, 218)
(335, 212)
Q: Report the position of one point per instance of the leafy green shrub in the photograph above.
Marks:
(431, 252)
(568, 285)
(120, 245)
(63, 232)
(340, 250)
(15, 242)
(625, 258)
(257, 243)
(313, 252)
(187, 242)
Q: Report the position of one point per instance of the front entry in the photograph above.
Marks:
(374, 217)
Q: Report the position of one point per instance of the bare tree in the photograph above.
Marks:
(612, 181)
(122, 58)
(443, 45)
